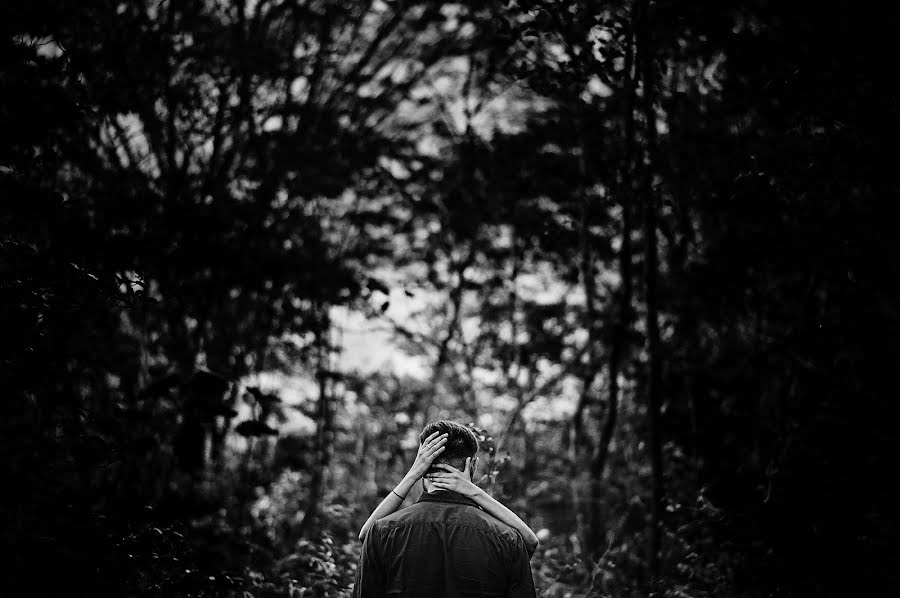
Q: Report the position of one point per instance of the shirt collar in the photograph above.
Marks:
(447, 496)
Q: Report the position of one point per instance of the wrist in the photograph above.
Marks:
(472, 491)
(405, 485)
(415, 473)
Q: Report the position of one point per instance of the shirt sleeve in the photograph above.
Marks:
(521, 583)
(370, 576)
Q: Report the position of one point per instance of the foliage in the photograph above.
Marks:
(198, 194)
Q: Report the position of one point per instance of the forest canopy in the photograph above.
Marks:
(646, 250)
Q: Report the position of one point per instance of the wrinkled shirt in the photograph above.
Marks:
(444, 545)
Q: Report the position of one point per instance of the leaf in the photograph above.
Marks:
(208, 384)
(161, 386)
(263, 398)
(253, 428)
(377, 285)
(225, 411)
(323, 373)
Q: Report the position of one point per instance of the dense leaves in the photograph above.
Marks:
(646, 250)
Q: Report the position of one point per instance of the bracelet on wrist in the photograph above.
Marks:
(400, 497)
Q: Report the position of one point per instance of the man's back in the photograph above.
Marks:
(444, 545)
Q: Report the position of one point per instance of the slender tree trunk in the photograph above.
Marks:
(590, 299)
(589, 372)
(324, 427)
(623, 312)
(456, 299)
(654, 390)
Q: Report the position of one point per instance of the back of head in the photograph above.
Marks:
(461, 442)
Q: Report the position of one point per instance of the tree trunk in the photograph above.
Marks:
(654, 390)
(323, 429)
(623, 313)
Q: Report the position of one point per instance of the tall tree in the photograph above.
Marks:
(651, 274)
(623, 311)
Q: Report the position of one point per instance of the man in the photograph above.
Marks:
(444, 545)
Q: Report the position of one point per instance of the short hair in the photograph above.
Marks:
(461, 442)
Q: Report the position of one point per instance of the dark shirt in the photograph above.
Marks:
(443, 546)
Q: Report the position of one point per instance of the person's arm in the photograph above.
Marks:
(453, 479)
(431, 448)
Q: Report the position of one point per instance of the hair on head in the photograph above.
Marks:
(461, 442)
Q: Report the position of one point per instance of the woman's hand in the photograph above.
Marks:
(431, 448)
(450, 478)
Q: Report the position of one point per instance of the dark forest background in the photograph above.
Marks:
(649, 249)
